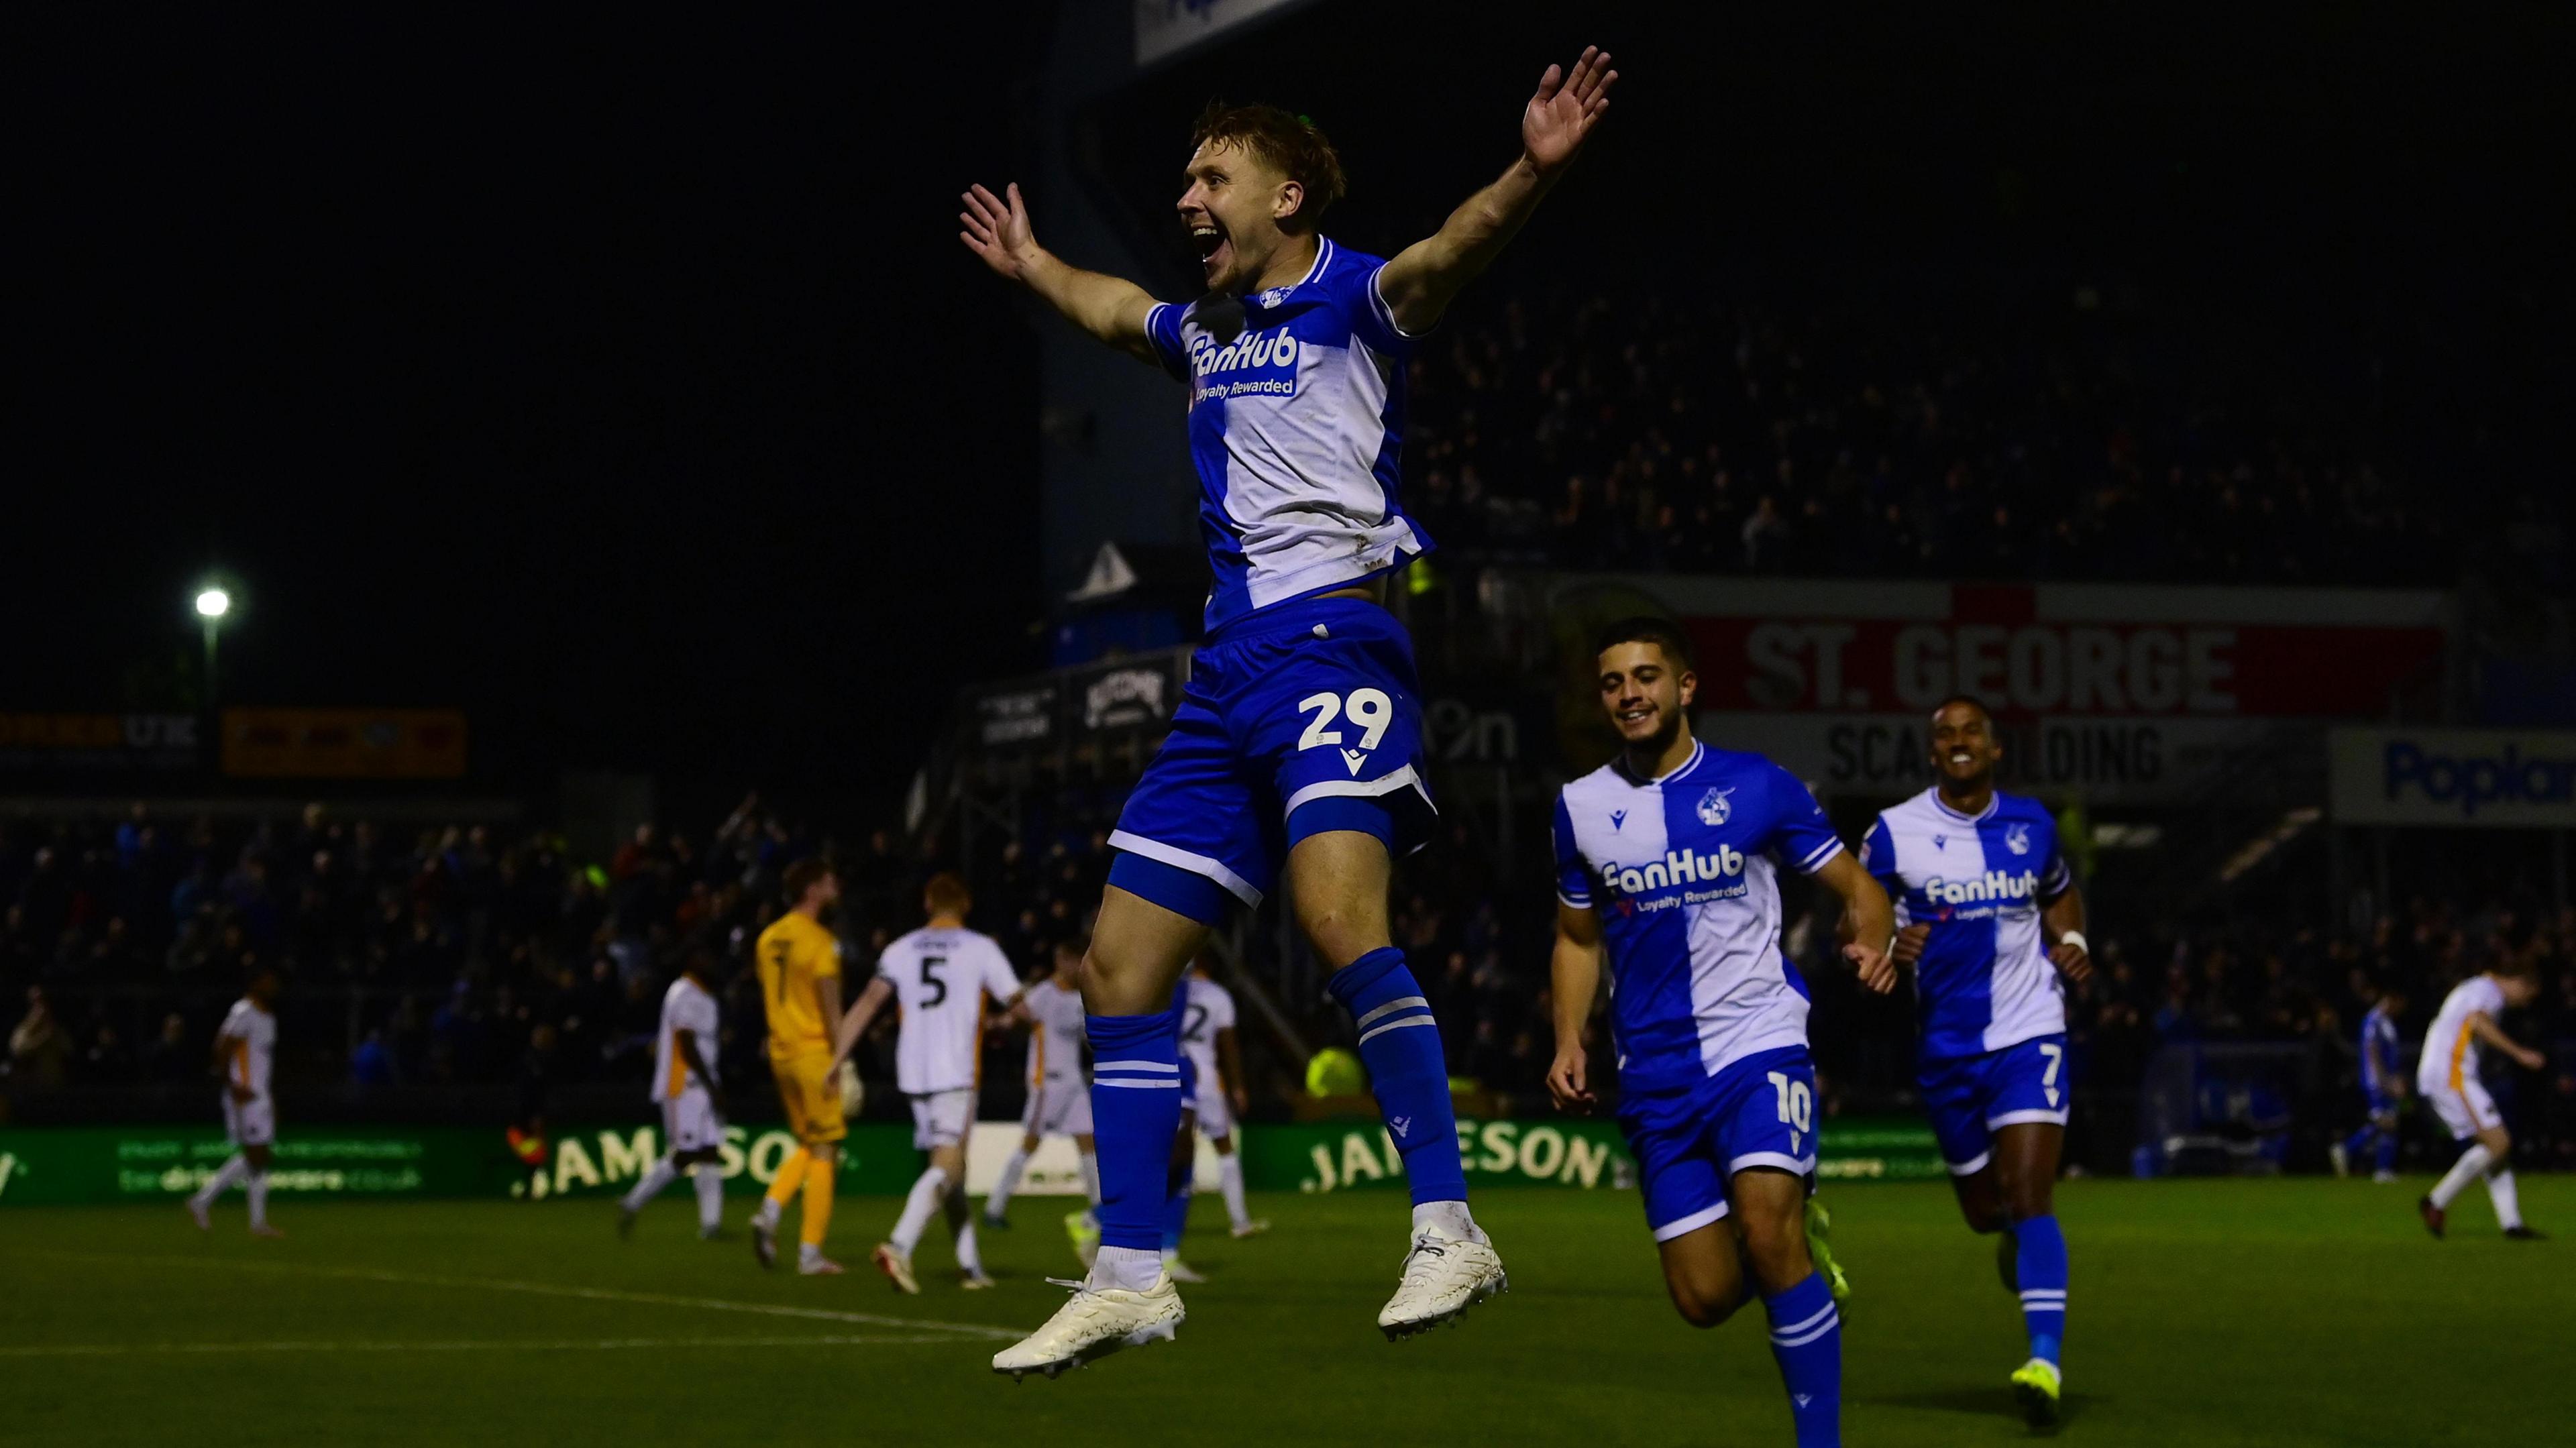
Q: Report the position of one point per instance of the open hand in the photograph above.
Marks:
(1566, 108)
(1876, 968)
(998, 231)
(1565, 1082)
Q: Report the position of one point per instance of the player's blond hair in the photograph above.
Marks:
(1289, 144)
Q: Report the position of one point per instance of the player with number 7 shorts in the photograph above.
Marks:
(1989, 918)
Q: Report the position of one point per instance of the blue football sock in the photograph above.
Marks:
(2387, 1159)
(1135, 1112)
(1807, 1341)
(1400, 1045)
(2039, 1260)
(1176, 1217)
(2360, 1141)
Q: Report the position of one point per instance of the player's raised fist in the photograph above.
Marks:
(2073, 960)
(1567, 106)
(997, 229)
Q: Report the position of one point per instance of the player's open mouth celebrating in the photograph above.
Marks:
(1210, 239)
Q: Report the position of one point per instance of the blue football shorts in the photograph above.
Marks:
(1297, 720)
(1691, 1140)
(1969, 1096)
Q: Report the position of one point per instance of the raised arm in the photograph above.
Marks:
(1868, 921)
(1574, 979)
(1421, 280)
(1109, 308)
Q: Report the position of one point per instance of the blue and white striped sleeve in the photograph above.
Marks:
(1163, 329)
(1801, 836)
(1573, 882)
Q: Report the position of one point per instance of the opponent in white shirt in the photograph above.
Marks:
(685, 1087)
(1059, 1092)
(1207, 1038)
(245, 1052)
(939, 976)
(2447, 1075)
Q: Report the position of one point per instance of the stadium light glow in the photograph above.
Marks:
(214, 603)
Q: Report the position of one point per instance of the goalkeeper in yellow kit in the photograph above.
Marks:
(800, 991)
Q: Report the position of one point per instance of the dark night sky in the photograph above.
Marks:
(623, 381)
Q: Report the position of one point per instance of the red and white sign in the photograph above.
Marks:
(2054, 650)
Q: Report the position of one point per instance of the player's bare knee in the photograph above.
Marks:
(1340, 933)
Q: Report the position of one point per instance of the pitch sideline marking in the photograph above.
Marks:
(494, 1345)
(596, 1294)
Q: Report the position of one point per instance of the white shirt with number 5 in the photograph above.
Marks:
(940, 979)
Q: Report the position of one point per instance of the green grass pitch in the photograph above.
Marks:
(2204, 1313)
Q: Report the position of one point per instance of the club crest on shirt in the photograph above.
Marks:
(2017, 839)
(1714, 807)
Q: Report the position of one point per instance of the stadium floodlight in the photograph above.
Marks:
(214, 601)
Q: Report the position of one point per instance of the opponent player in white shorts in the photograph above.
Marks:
(1059, 1093)
(939, 977)
(245, 1052)
(1207, 1038)
(685, 1087)
(2448, 1078)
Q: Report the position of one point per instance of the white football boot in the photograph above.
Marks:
(1444, 1275)
(1094, 1323)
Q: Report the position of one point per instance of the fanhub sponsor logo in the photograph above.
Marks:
(1992, 886)
(2475, 781)
(1725, 866)
(1258, 363)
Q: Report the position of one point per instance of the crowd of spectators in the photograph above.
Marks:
(465, 954)
(1650, 434)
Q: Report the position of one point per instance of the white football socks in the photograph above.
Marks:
(225, 1178)
(1229, 1180)
(649, 1185)
(924, 1200)
(2508, 1204)
(1000, 1198)
(969, 1260)
(2471, 1165)
(709, 1178)
(1090, 1175)
(1126, 1269)
(768, 1213)
(257, 1190)
(1449, 1219)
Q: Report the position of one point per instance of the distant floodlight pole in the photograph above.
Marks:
(212, 604)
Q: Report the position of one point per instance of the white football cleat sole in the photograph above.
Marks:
(1443, 1277)
(1092, 1325)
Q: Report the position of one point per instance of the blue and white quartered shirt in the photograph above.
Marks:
(1295, 427)
(1681, 871)
(1985, 980)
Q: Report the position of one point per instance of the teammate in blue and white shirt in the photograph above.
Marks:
(2383, 1090)
(1989, 917)
(1297, 745)
(1666, 861)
